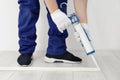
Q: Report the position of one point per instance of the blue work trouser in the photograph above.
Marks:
(28, 16)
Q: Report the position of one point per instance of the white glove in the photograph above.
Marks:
(61, 20)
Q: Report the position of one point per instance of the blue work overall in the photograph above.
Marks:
(28, 16)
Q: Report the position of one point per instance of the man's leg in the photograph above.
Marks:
(56, 44)
(56, 50)
(81, 10)
(28, 16)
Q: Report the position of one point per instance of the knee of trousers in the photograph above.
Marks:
(32, 4)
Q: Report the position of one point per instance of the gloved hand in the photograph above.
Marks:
(85, 27)
(61, 20)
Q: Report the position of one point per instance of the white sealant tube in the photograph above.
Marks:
(84, 39)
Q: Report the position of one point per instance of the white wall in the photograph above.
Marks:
(103, 18)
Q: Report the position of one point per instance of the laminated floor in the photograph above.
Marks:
(8, 61)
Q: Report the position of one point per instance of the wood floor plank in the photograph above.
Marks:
(4, 75)
(88, 76)
(110, 65)
(57, 76)
(26, 75)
